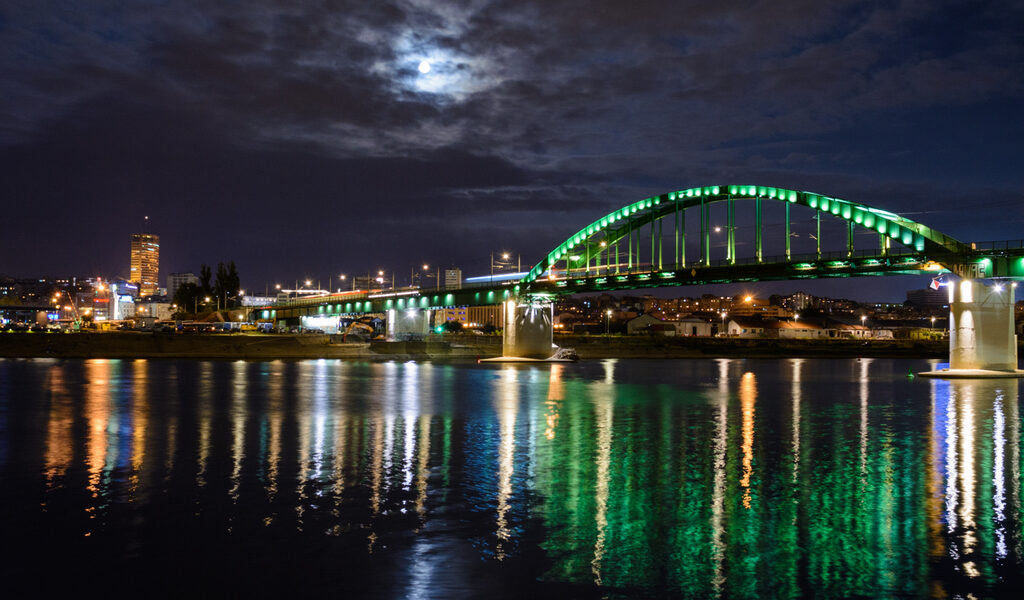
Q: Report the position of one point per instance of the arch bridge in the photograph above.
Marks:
(673, 239)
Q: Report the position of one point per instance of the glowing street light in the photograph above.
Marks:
(607, 321)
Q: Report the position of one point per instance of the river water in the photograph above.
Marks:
(723, 478)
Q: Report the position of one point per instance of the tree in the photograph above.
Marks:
(452, 327)
(204, 279)
(188, 295)
(227, 284)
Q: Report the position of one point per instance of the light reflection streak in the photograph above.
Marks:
(205, 383)
(796, 390)
(59, 451)
(305, 395)
(998, 482)
(410, 395)
(275, 409)
(718, 492)
(140, 411)
(319, 420)
(608, 365)
(952, 497)
(748, 396)
(604, 409)
(1014, 437)
(864, 365)
(390, 377)
(238, 417)
(939, 391)
(97, 414)
(423, 464)
(507, 407)
(171, 416)
(340, 440)
(967, 478)
(556, 392)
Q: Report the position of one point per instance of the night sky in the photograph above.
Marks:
(301, 139)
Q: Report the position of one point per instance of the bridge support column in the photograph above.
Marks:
(527, 329)
(982, 341)
(408, 323)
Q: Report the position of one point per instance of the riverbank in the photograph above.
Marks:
(131, 344)
(703, 347)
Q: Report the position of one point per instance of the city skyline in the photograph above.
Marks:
(307, 143)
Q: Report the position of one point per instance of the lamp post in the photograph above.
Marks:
(505, 262)
(722, 332)
(933, 322)
(607, 321)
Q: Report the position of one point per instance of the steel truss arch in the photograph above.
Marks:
(617, 224)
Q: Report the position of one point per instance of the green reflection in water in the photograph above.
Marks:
(691, 506)
(744, 480)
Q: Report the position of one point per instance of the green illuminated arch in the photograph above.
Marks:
(616, 224)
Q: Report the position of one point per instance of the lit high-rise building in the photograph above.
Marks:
(145, 263)
(453, 279)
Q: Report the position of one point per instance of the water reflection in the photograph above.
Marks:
(716, 478)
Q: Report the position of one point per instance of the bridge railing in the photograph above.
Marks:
(998, 245)
(811, 257)
(388, 293)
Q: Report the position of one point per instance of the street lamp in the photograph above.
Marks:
(607, 321)
(933, 322)
(722, 332)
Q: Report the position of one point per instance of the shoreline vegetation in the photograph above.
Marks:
(129, 345)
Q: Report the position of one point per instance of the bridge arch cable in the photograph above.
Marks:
(599, 244)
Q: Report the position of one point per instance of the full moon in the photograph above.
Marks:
(424, 67)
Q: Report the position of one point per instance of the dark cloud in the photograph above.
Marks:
(288, 134)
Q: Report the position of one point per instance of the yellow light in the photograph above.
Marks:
(747, 299)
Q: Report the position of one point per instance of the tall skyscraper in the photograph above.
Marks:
(145, 262)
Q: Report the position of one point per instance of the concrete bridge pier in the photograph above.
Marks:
(528, 329)
(982, 341)
(408, 324)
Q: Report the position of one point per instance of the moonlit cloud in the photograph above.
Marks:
(319, 115)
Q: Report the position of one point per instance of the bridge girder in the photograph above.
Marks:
(617, 224)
